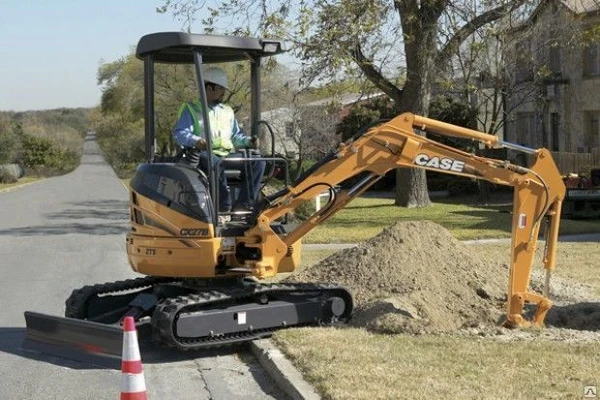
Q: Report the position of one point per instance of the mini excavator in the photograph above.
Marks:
(203, 266)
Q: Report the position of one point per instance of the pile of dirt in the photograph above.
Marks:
(416, 277)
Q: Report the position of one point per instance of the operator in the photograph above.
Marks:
(226, 137)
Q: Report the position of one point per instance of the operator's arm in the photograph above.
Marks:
(238, 137)
(183, 133)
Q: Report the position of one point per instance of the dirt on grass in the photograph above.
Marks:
(415, 277)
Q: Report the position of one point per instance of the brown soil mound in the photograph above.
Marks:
(416, 277)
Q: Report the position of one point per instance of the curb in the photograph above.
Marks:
(281, 370)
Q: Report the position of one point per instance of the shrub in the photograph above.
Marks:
(9, 146)
(6, 176)
(35, 150)
(42, 155)
(459, 186)
(10, 173)
(123, 150)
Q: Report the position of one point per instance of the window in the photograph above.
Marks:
(526, 128)
(591, 60)
(554, 124)
(592, 129)
(554, 59)
(290, 129)
(524, 62)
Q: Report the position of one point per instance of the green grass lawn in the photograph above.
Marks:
(355, 364)
(350, 363)
(464, 221)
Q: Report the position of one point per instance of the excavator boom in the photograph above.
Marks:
(538, 194)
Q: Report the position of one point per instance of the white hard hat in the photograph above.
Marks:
(217, 76)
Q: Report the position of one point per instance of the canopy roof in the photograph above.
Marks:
(177, 47)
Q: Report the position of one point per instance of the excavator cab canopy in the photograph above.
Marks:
(198, 49)
(179, 47)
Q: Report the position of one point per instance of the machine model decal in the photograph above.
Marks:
(446, 164)
(193, 232)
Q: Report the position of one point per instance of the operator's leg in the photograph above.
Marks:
(258, 170)
(252, 176)
(224, 194)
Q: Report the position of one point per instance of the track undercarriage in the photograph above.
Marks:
(191, 314)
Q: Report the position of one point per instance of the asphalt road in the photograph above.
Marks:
(69, 231)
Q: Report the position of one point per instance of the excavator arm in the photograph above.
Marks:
(538, 195)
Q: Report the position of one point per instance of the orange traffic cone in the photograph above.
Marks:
(133, 385)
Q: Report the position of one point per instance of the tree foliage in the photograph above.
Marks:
(9, 142)
(365, 115)
(43, 155)
(313, 134)
(449, 109)
(120, 124)
(47, 142)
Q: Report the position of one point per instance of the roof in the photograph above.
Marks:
(577, 7)
(178, 47)
(582, 6)
(346, 99)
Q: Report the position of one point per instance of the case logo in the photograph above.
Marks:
(445, 164)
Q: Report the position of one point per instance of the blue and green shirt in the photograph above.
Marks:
(226, 133)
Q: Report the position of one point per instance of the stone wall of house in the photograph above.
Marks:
(569, 95)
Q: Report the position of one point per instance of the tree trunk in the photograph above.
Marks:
(411, 188)
(411, 183)
(419, 25)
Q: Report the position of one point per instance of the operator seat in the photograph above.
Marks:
(233, 169)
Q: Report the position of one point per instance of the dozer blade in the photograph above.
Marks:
(75, 339)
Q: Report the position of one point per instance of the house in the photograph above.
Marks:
(346, 102)
(281, 126)
(554, 69)
(312, 122)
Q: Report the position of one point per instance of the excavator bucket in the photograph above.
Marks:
(74, 339)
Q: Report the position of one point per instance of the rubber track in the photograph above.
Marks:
(166, 313)
(76, 304)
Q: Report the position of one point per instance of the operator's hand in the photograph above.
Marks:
(254, 142)
(201, 144)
